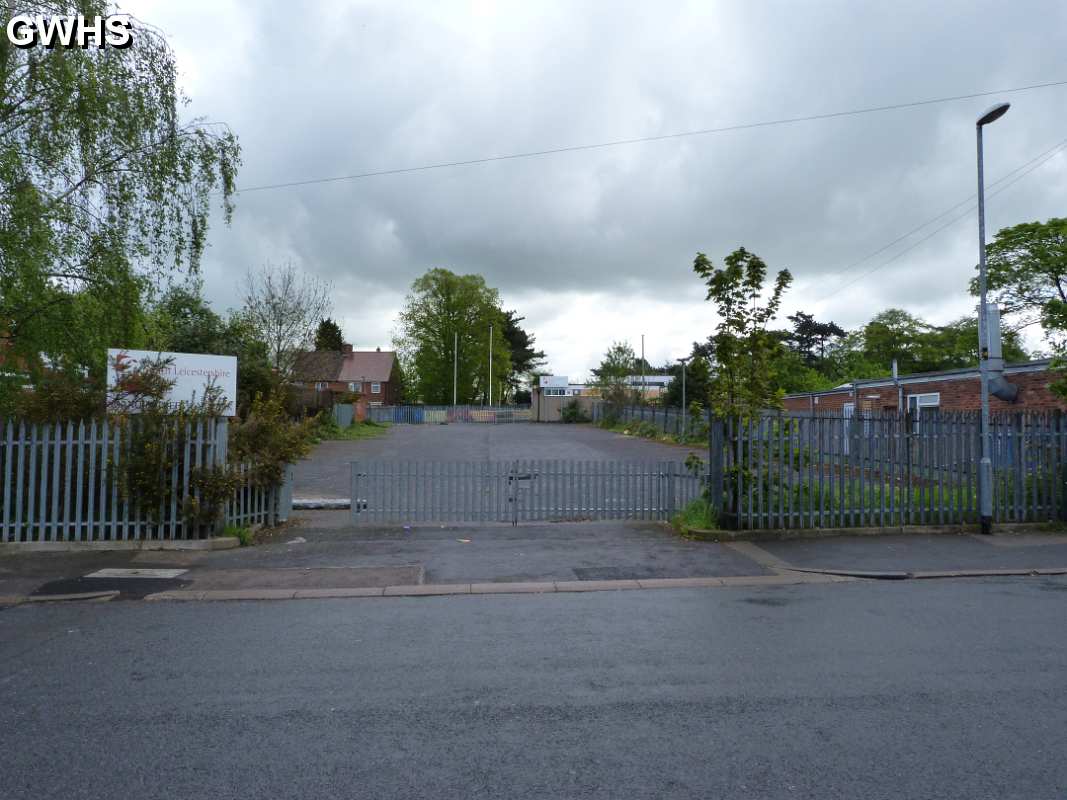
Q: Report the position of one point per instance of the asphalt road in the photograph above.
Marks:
(326, 472)
(935, 689)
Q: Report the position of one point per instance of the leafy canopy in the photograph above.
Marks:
(441, 309)
(328, 336)
(1027, 271)
(105, 191)
(745, 350)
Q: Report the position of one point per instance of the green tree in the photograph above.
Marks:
(1027, 272)
(744, 382)
(697, 382)
(916, 345)
(328, 336)
(183, 322)
(524, 358)
(441, 308)
(895, 334)
(610, 378)
(809, 337)
(105, 192)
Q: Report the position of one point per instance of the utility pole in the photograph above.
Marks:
(455, 366)
(685, 420)
(490, 365)
(985, 466)
(642, 369)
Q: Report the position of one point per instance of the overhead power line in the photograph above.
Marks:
(1001, 184)
(643, 139)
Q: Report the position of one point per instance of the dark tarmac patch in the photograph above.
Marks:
(128, 588)
(766, 601)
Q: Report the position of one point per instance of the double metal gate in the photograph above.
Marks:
(519, 491)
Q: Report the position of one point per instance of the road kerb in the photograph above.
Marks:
(679, 583)
(422, 590)
(176, 594)
(538, 587)
(55, 598)
(319, 594)
(595, 586)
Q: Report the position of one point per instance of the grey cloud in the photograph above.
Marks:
(385, 85)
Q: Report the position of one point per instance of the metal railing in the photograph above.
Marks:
(435, 415)
(865, 470)
(401, 492)
(62, 482)
(667, 420)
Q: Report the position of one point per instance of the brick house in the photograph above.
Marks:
(948, 390)
(374, 374)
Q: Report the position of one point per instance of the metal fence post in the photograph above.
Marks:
(715, 464)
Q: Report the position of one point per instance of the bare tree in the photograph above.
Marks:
(285, 305)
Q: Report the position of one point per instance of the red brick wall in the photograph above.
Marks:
(964, 395)
(827, 402)
(956, 395)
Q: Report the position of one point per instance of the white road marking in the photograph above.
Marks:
(136, 573)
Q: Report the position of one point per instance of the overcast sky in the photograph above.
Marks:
(597, 245)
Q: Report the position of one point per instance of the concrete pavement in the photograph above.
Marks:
(304, 561)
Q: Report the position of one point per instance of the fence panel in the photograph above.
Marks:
(401, 492)
(870, 469)
(425, 415)
(64, 482)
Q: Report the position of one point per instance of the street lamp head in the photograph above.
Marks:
(683, 360)
(993, 114)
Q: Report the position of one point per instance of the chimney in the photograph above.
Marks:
(377, 349)
(346, 348)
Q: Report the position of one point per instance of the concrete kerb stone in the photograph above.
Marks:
(596, 586)
(537, 587)
(55, 598)
(784, 534)
(214, 543)
(318, 594)
(420, 590)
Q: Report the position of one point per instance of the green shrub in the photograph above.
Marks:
(572, 412)
(267, 440)
(698, 514)
(242, 534)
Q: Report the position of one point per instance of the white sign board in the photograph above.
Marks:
(553, 381)
(191, 373)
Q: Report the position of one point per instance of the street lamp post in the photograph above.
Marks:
(985, 466)
(684, 418)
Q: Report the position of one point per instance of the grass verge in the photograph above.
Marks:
(353, 433)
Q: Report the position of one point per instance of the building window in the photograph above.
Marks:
(917, 403)
(352, 387)
(321, 386)
(555, 392)
(375, 388)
